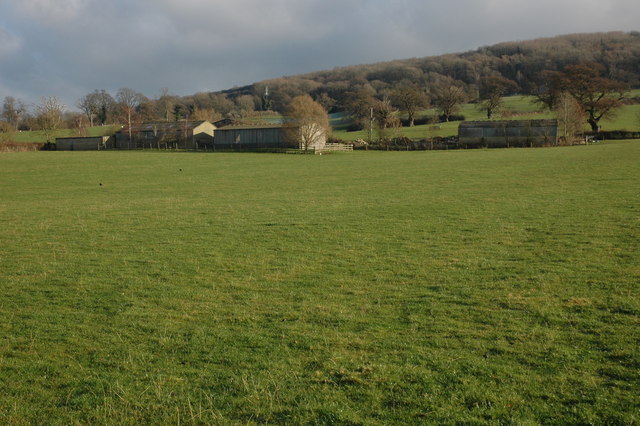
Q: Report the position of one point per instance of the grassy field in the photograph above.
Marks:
(496, 286)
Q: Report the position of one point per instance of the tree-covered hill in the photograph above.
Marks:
(444, 82)
(517, 61)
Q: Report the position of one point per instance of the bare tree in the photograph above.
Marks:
(391, 130)
(89, 107)
(447, 98)
(107, 106)
(245, 105)
(546, 88)
(146, 111)
(49, 116)
(308, 122)
(206, 114)
(598, 96)
(408, 97)
(13, 110)
(96, 106)
(384, 113)
(570, 116)
(129, 100)
(386, 120)
(221, 103)
(358, 104)
(5, 128)
(492, 89)
(76, 121)
(165, 104)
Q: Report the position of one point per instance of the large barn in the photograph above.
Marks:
(260, 137)
(84, 143)
(179, 134)
(508, 133)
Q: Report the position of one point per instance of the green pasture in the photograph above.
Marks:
(515, 108)
(626, 118)
(481, 286)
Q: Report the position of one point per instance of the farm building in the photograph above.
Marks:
(260, 137)
(181, 134)
(508, 133)
(84, 143)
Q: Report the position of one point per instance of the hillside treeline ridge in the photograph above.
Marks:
(514, 67)
(518, 61)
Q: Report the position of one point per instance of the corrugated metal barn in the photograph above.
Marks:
(508, 133)
(84, 144)
(258, 137)
(252, 137)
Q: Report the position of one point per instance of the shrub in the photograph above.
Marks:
(453, 117)
(432, 119)
(615, 135)
(5, 127)
(9, 146)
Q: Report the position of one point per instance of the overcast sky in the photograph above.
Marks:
(68, 48)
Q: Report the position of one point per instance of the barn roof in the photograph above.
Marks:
(163, 126)
(509, 123)
(251, 127)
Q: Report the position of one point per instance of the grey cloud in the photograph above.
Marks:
(68, 48)
(9, 43)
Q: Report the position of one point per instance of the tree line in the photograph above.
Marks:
(590, 71)
(126, 106)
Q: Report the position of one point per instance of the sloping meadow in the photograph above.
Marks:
(370, 287)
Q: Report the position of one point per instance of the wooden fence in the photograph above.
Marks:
(335, 147)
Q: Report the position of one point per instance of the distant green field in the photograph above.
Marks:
(627, 118)
(515, 107)
(468, 287)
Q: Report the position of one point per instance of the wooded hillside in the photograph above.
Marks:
(517, 61)
(407, 86)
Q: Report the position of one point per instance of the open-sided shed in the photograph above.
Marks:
(261, 137)
(84, 143)
(508, 133)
